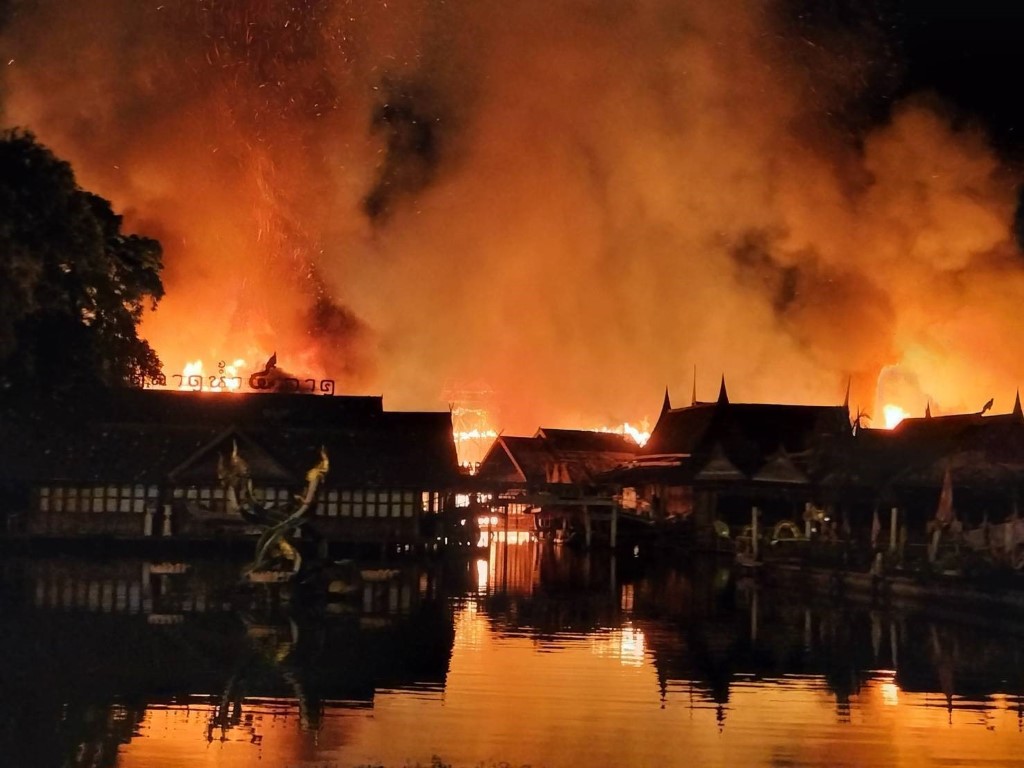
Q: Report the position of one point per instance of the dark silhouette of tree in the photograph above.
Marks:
(73, 287)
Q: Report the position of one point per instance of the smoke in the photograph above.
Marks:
(575, 201)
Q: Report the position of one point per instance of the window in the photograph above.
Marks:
(357, 504)
(407, 500)
(371, 503)
(44, 499)
(346, 504)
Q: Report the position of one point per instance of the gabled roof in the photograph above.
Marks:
(587, 440)
(780, 468)
(156, 406)
(680, 430)
(555, 456)
(746, 435)
(980, 450)
(367, 447)
(201, 466)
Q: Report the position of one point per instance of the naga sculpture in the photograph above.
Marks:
(279, 522)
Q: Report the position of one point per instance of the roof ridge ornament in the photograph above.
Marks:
(723, 395)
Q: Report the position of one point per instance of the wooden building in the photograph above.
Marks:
(906, 468)
(557, 474)
(714, 461)
(145, 463)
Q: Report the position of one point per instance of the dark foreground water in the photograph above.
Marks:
(531, 656)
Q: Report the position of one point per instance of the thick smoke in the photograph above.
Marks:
(575, 201)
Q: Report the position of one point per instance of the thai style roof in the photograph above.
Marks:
(720, 441)
(555, 456)
(978, 450)
(156, 436)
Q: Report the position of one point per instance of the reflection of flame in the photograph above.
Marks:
(893, 415)
(627, 644)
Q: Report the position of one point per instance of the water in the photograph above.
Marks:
(530, 656)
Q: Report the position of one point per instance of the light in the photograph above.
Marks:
(893, 415)
(639, 434)
(194, 378)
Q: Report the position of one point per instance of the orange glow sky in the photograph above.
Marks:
(574, 202)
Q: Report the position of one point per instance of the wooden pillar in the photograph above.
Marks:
(614, 530)
(166, 528)
(753, 616)
(754, 533)
(894, 516)
(587, 527)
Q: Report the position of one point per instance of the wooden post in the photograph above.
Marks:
(166, 529)
(808, 520)
(614, 533)
(753, 615)
(754, 534)
(147, 522)
(894, 515)
(587, 528)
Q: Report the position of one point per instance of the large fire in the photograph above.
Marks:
(579, 201)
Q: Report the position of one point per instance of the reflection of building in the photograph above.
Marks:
(145, 463)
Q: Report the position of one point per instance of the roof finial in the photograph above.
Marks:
(928, 409)
(723, 396)
(693, 397)
(1016, 407)
(667, 405)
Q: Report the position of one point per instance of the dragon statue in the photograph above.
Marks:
(279, 522)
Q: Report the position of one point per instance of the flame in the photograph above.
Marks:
(893, 415)
(639, 434)
(226, 379)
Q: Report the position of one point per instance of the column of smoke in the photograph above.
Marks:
(578, 200)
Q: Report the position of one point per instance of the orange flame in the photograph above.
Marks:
(893, 415)
(227, 378)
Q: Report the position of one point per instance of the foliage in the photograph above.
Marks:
(73, 287)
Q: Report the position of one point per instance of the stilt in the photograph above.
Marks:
(894, 515)
(613, 533)
(587, 527)
(754, 533)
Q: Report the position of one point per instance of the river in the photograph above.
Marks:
(529, 655)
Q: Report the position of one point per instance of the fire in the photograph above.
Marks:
(893, 415)
(226, 379)
(639, 434)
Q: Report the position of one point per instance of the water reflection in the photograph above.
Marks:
(532, 655)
